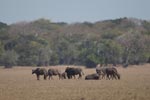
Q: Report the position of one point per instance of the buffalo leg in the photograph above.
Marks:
(38, 77)
(45, 77)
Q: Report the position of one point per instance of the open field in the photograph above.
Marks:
(19, 84)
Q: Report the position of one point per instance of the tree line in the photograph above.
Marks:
(42, 43)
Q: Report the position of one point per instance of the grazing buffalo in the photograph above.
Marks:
(92, 77)
(40, 71)
(112, 73)
(71, 72)
(54, 72)
(108, 72)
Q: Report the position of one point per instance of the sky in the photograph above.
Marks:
(70, 11)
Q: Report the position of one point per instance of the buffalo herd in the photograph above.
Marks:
(71, 72)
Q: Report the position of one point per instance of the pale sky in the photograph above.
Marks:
(70, 11)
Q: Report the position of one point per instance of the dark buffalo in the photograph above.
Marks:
(112, 73)
(54, 72)
(40, 71)
(108, 72)
(71, 72)
(92, 77)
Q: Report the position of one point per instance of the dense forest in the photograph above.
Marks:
(42, 43)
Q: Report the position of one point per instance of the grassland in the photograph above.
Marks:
(19, 84)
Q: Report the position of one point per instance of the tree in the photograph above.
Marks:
(9, 58)
(29, 48)
(135, 46)
(109, 51)
(44, 56)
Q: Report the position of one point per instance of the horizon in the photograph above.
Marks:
(72, 11)
(71, 22)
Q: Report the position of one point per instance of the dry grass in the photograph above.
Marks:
(19, 84)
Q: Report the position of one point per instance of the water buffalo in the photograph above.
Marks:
(63, 75)
(101, 71)
(108, 72)
(112, 73)
(92, 77)
(71, 72)
(40, 71)
(54, 72)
